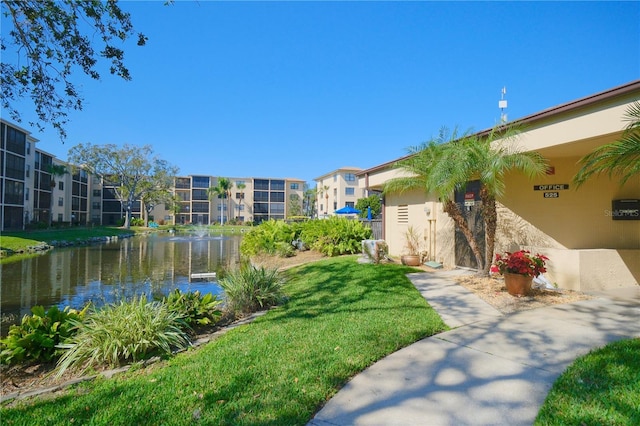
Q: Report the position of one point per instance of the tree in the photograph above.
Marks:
(445, 164)
(309, 201)
(372, 201)
(156, 191)
(324, 191)
(131, 170)
(241, 187)
(56, 171)
(621, 157)
(53, 39)
(223, 191)
(295, 206)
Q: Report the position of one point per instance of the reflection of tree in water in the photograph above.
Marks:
(105, 273)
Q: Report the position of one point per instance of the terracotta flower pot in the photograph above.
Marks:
(410, 259)
(517, 284)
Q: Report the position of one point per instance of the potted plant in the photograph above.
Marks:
(412, 248)
(519, 268)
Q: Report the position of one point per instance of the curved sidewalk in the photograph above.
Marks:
(490, 369)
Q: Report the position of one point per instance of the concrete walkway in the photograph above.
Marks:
(490, 369)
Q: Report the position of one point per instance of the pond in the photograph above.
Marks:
(153, 264)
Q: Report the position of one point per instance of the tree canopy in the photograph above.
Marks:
(621, 158)
(52, 42)
(133, 171)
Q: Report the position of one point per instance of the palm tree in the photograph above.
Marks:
(56, 171)
(241, 187)
(324, 190)
(621, 157)
(447, 163)
(222, 190)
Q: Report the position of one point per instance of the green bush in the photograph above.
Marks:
(250, 289)
(38, 335)
(194, 308)
(335, 236)
(267, 238)
(136, 221)
(126, 331)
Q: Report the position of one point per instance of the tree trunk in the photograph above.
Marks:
(454, 213)
(491, 225)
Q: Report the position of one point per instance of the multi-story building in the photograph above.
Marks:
(251, 200)
(337, 189)
(31, 194)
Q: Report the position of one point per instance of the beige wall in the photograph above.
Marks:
(588, 250)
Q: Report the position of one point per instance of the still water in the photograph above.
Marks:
(153, 264)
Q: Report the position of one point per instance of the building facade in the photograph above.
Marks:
(250, 200)
(337, 189)
(591, 241)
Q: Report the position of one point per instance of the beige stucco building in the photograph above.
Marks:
(591, 234)
(337, 189)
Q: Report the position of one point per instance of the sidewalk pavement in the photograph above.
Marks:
(490, 369)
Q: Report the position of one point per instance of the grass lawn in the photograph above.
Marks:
(600, 388)
(341, 317)
(21, 240)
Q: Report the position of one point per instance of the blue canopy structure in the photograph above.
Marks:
(347, 210)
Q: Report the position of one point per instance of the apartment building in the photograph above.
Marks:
(337, 189)
(252, 200)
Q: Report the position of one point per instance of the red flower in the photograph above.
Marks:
(521, 262)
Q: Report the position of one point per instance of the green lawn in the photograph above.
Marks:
(21, 240)
(341, 317)
(600, 388)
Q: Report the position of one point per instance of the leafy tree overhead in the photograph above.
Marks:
(50, 42)
(132, 170)
(445, 164)
(621, 157)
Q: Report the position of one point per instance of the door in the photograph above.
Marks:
(469, 203)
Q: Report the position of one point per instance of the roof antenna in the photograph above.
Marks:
(502, 104)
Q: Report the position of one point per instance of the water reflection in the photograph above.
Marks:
(153, 264)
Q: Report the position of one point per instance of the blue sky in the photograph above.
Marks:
(299, 89)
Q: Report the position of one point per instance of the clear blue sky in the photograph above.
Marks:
(299, 89)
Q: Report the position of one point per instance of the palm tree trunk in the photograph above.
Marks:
(490, 225)
(454, 212)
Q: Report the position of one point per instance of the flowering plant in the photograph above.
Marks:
(520, 262)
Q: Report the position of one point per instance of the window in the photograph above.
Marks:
(260, 196)
(349, 204)
(28, 170)
(200, 181)
(59, 217)
(15, 167)
(261, 184)
(95, 205)
(183, 183)
(199, 194)
(260, 208)
(239, 195)
(349, 177)
(61, 185)
(335, 178)
(277, 197)
(60, 201)
(277, 185)
(350, 191)
(295, 186)
(277, 208)
(97, 193)
(26, 194)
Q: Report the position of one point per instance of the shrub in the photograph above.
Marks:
(265, 238)
(194, 308)
(335, 236)
(38, 335)
(126, 331)
(250, 289)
